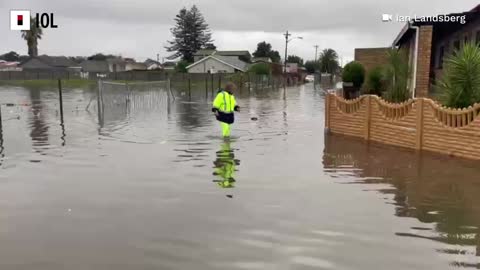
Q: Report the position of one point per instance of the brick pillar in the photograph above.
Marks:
(423, 61)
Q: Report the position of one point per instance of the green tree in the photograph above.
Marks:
(190, 33)
(329, 61)
(101, 57)
(460, 83)
(181, 66)
(210, 46)
(264, 49)
(260, 69)
(396, 76)
(295, 59)
(354, 72)
(10, 56)
(32, 36)
(312, 66)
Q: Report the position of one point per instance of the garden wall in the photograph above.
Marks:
(419, 123)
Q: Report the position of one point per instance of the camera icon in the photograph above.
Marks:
(387, 17)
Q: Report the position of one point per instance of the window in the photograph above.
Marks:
(441, 53)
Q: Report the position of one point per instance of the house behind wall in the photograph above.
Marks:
(436, 41)
(371, 58)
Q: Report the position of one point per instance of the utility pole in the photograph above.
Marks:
(316, 52)
(287, 35)
(158, 57)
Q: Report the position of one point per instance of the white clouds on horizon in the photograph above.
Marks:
(141, 28)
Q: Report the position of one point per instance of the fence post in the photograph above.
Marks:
(206, 85)
(60, 97)
(419, 128)
(241, 83)
(368, 117)
(211, 80)
(100, 103)
(169, 85)
(189, 88)
(1, 129)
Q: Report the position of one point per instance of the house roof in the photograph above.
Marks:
(440, 28)
(222, 53)
(169, 63)
(45, 61)
(94, 66)
(57, 61)
(149, 62)
(203, 52)
(262, 59)
(115, 61)
(235, 63)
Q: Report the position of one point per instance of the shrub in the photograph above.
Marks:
(260, 69)
(460, 84)
(396, 75)
(354, 72)
(374, 81)
(181, 66)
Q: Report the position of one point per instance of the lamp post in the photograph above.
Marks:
(287, 40)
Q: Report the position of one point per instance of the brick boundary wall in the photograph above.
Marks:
(419, 123)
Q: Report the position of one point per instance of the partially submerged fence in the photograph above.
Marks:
(418, 123)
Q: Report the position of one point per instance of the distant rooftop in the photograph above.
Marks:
(56, 61)
(222, 53)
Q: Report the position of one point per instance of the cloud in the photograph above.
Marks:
(141, 28)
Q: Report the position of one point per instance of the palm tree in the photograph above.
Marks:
(329, 61)
(461, 79)
(32, 36)
(396, 75)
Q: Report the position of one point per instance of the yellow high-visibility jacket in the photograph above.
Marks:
(224, 102)
(224, 105)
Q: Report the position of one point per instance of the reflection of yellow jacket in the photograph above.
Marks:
(225, 166)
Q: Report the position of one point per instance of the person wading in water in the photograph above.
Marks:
(224, 106)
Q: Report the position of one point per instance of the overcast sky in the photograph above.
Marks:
(141, 28)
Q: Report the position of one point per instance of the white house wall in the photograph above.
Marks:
(211, 64)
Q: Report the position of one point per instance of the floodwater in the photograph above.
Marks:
(151, 185)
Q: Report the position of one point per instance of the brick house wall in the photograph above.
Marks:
(371, 58)
(470, 32)
(423, 61)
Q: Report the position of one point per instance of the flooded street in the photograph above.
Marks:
(154, 186)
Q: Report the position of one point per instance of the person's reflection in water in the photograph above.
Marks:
(225, 166)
